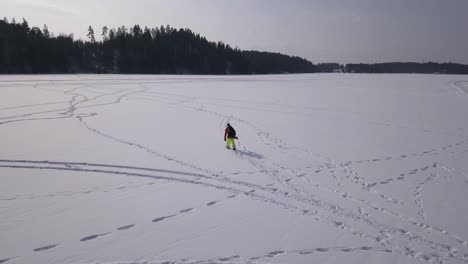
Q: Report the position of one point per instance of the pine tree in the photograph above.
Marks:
(45, 31)
(91, 34)
(105, 29)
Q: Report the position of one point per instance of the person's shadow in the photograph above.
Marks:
(250, 154)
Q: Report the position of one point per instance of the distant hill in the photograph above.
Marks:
(163, 50)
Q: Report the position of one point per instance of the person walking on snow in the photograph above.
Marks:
(229, 136)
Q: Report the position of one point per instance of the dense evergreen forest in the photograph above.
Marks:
(166, 50)
(163, 50)
(408, 67)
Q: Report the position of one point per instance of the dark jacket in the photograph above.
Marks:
(229, 132)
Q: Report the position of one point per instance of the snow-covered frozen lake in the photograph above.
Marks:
(330, 168)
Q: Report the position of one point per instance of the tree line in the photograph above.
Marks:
(162, 50)
(408, 67)
(395, 67)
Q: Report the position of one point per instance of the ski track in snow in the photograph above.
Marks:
(284, 193)
(461, 86)
(360, 180)
(129, 226)
(91, 237)
(268, 256)
(338, 224)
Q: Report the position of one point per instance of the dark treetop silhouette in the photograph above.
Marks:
(135, 50)
(163, 50)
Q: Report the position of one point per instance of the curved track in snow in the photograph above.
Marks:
(332, 191)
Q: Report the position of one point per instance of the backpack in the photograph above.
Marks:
(231, 132)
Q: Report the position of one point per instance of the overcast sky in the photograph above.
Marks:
(344, 31)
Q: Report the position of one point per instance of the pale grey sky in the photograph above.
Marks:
(342, 31)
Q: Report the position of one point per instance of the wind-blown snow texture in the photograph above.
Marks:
(329, 169)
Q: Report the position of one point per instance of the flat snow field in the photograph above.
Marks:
(330, 168)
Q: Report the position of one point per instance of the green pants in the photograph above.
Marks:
(230, 141)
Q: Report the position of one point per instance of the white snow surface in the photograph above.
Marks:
(330, 168)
